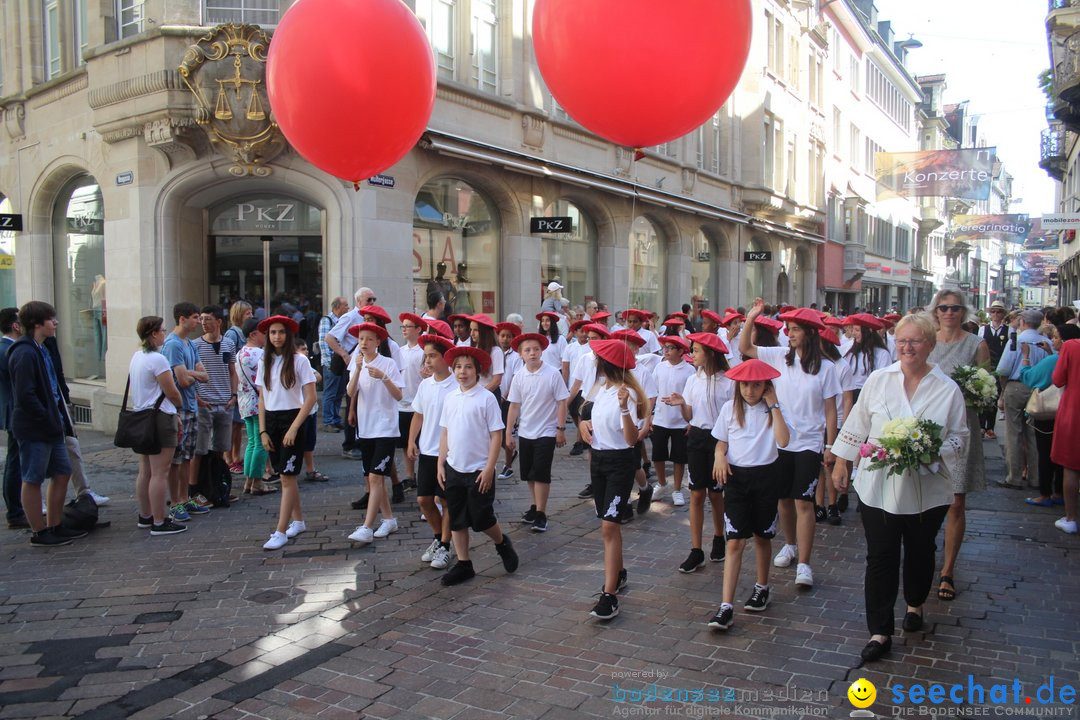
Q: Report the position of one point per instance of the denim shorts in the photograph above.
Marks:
(41, 460)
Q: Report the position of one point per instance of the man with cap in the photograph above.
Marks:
(1024, 349)
(996, 335)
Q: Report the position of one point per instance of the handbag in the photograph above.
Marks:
(585, 409)
(137, 429)
(1043, 404)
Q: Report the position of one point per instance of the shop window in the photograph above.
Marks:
(646, 266)
(755, 275)
(78, 238)
(7, 259)
(703, 271)
(455, 248)
(570, 257)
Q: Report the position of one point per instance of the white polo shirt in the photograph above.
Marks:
(706, 396)
(751, 445)
(376, 409)
(498, 366)
(585, 371)
(802, 397)
(607, 433)
(670, 379)
(846, 377)
(573, 351)
(410, 360)
(553, 353)
(511, 364)
(539, 394)
(430, 395)
(469, 418)
(652, 344)
(278, 397)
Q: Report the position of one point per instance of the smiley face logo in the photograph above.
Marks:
(862, 693)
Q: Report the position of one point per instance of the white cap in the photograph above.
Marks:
(553, 286)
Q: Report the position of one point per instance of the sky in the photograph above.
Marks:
(991, 52)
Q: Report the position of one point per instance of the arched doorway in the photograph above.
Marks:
(703, 276)
(646, 266)
(570, 257)
(455, 247)
(7, 258)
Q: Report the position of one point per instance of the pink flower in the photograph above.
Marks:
(881, 454)
(866, 450)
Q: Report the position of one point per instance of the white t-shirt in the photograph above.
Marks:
(278, 397)
(652, 344)
(411, 360)
(573, 351)
(846, 378)
(511, 364)
(751, 445)
(428, 401)
(802, 397)
(647, 364)
(859, 367)
(144, 370)
(607, 425)
(845, 343)
(706, 396)
(890, 345)
(670, 379)
(585, 371)
(498, 366)
(462, 343)
(539, 394)
(646, 380)
(469, 418)
(553, 353)
(376, 409)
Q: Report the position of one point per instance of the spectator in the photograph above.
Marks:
(215, 399)
(995, 333)
(553, 298)
(239, 311)
(248, 359)
(9, 326)
(333, 382)
(1020, 448)
(1065, 451)
(184, 361)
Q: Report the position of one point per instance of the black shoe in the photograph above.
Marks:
(529, 515)
(695, 560)
(506, 552)
(461, 572)
(606, 607)
(719, 547)
(647, 467)
(586, 492)
(398, 495)
(842, 503)
(626, 514)
(578, 449)
(834, 515)
(723, 619)
(361, 504)
(145, 522)
(507, 472)
(18, 523)
(540, 523)
(47, 538)
(644, 500)
(167, 528)
(759, 600)
(408, 483)
(68, 533)
(820, 513)
(874, 649)
(913, 622)
(622, 581)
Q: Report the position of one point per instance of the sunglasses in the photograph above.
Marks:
(950, 308)
(998, 311)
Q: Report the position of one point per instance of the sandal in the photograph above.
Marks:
(1040, 501)
(316, 476)
(946, 594)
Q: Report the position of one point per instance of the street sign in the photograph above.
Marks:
(386, 181)
(125, 178)
(10, 222)
(551, 224)
(1061, 221)
(757, 256)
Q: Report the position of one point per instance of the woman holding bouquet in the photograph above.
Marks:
(957, 347)
(902, 509)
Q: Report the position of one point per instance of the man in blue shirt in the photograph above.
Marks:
(333, 383)
(1025, 345)
(184, 361)
(12, 331)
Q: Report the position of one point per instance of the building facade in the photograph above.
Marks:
(1060, 153)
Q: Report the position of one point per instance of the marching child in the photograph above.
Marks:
(748, 432)
(549, 327)
(410, 362)
(286, 397)
(669, 425)
(423, 448)
(468, 450)
(505, 332)
(538, 397)
(310, 425)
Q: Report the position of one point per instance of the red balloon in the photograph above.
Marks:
(351, 83)
(641, 72)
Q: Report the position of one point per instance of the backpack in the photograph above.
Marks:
(215, 479)
(82, 514)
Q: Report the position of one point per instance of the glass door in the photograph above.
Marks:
(267, 271)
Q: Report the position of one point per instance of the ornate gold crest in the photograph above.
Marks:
(226, 72)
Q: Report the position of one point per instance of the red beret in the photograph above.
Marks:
(288, 322)
(554, 316)
(598, 329)
(441, 328)
(709, 314)
(830, 335)
(773, 326)
(602, 315)
(687, 357)
(456, 316)
(730, 311)
(481, 357)
(893, 317)
(803, 316)
(542, 339)
(833, 321)
(789, 308)
(865, 320)
(752, 370)
(675, 322)
(679, 314)
(380, 331)
(634, 312)
(444, 343)
(376, 311)
(481, 319)
(629, 336)
(731, 317)
(510, 327)
(709, 340)
(414, 319)
(676, 341)
(578, 325)
(615, 352)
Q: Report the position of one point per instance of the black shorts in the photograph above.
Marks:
(504, 409)
(612, 473)
(285, 460)
(799, 472)
(378, 454)
(427, 478)
(536, 457)
(750, 497)
(662, 437)
(469, 508)
(404, 420)
(310, 433)
(700, 457)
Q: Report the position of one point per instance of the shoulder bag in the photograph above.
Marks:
(137, 429)
(1043, 404)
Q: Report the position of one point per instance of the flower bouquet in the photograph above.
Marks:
(905, 444)
(978, 385)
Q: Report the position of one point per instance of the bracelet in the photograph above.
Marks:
(560, 429)
(624, 411)
(828, 447)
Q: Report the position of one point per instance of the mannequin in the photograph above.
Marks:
(97, 304)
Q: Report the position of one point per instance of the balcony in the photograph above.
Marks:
(854, 262)
(1053, 157)
(1067, 114)
(1066, 55)
(1064, 17)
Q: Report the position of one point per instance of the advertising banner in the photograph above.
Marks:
(1035, 268)
(1041, 238)
(935, 173)
(1010, 228)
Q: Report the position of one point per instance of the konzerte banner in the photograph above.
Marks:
(935, 173)
(1012, 228)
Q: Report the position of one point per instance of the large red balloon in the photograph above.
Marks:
(351, 83)
(641, 72)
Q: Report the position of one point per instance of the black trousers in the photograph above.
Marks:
(1051, 475)
(885, 535)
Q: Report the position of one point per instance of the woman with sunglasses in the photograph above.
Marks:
(955, 347)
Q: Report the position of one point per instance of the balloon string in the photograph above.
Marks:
(633, 216)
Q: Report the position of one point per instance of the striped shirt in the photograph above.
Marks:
(326, 324)
(217, 359)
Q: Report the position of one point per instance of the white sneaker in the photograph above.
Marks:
(661, 491)
(441, 558)
(677, 498)
(429, 554)
(295, 528)
(804, 576)
(277, 541)
(1066, 526)
(362, 534)
(98, 499)
(786, 556)
(387, 526)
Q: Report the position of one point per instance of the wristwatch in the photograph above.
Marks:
(774, 406)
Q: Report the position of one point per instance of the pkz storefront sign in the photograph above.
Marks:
(9, 222)
(265, 214)
(551, 225)
(757, 255)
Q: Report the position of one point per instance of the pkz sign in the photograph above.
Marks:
(551, 225)
(757, 255)
(10, 222)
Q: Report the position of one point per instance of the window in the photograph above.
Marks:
(881, 237)
(485, 46)
(793, 62)
(773, 155)
(816, 169)
(837, 130)
(816, 77)
(773, 50)
(853, 74)
(51, 24)
(266, 13)
(872, 149)
(646, 266)
(130, 17)
(701, 147)
(837, 56)
(903, 244)
(79, 30)
(755, 273)
(855, 147)
(887, 96)
(792, 169)
(715, 149)
(437, 17)
(702, 275)
(7, 259)
(568, 257)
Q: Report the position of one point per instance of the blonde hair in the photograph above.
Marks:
(236, 312)
(923, 322)
(959, 301)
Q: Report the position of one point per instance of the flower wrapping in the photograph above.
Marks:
(978, 386)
